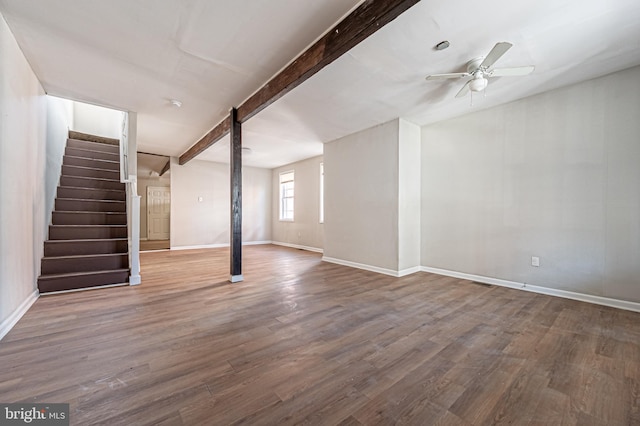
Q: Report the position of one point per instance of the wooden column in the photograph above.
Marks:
(236, 197)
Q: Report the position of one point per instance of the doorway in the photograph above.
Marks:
(154, 187)
(158, 211)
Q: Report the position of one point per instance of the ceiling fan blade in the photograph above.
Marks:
(508, 72)
(445, 76)
(464, 90)
(498, 50)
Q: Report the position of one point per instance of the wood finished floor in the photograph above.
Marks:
(146, 245)
(306, 342)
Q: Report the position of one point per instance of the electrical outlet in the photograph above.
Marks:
(535, 261)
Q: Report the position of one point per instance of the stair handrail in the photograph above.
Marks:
(133, 199)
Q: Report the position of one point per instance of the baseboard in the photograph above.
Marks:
(144, 239)
(135, 279)
(203, 246)
(297, 246)
(256, 243)
(409, 271)
(582, 297)
(77, 290)
(13, 319)
(366, 267)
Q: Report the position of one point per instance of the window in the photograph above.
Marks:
(321, 192)
(286, 196)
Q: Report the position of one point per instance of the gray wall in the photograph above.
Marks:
(556, 176)
(306, 229)
(30, 154)
(195, 223)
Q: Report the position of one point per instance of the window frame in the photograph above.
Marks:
(282, 198)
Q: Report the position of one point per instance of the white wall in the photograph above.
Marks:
(143, 184)
(96, 120)
(31, 142)
(361, 197)
(305, 231)
(195, 223)
(556, 176)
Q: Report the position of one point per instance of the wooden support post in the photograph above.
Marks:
(236, 197)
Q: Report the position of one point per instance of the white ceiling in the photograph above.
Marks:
(138, 54)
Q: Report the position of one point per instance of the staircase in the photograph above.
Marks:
(87, 245)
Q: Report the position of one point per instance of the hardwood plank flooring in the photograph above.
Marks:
(148, 245)
(306, 342)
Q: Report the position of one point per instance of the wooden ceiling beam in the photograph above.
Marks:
(207, 140)
(365, 20)
(166, 168)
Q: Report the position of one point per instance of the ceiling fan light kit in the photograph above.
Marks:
(478, 84)
(480, 69)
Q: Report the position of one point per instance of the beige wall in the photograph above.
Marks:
(305, 231)
(556, 176)
(97, 120)
(143, 184)
(361, 197)
(206, 222)
(32, 137)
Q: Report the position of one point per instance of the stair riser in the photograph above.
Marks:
(86, 264)
(89, 162)
(73, 283)
(93, 146)
(98, 155)
(93, 194)
(81, 182)
(90, 205)
(69, 218)
(94, 173)
(73, 233)
(73, 248)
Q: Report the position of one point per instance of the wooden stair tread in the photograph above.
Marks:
(80, 188)
(91, 199)
(88, 137)
(80, 274)
(80, 256)
(91, 168)
(93, 159)
(90, 226)
(90, 177)
(87, 211)
(87, 240)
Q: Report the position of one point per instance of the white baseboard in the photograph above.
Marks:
(371, 268)
(256, 243)
(582, 297)
(15, 316)
(77, 290)
(297, 246)
(246, 243)
(135, 279)
(409, 271)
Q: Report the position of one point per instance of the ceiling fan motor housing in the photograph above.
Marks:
(474, 65)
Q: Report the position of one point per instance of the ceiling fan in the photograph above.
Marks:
(480, 69)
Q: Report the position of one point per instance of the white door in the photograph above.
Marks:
(158, 208)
